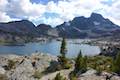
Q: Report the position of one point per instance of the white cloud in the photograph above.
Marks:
(4, 17)
(66, 9)
(53, 21)
(3, 4)
(112, 12)
(25, 9)
(49, 21)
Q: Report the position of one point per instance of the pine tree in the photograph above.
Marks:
(116, 64)
(62, 58)
(84, 64)
(63, 48)
(80, 63)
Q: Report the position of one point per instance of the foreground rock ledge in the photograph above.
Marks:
(24, 67)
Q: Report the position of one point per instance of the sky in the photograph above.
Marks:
(55, 12)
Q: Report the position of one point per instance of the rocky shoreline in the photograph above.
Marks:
(14, 67)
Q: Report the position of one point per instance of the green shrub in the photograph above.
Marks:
(37, 74)
(64, 63)
(73, 76)
(102, 62)
(59, 77)
(3, 77)
(67, 66)
(11, 64)
(116, 64)
(62, 60)
(99, 70)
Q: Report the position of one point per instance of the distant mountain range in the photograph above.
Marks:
(95, 26)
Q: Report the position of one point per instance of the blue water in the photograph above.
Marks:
(52, 47)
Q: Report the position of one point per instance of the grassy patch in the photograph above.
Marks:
(37, 74)
(100, 63)
(3, 77)
(11, 64)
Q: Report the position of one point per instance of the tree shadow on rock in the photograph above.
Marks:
(54, 66)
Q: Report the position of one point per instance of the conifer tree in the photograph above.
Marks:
(62, 59)
(80, 63)
(84, 63)
(63, 48)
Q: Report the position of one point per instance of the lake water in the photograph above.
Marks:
(51, 47)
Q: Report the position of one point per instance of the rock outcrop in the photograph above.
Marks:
(25, 66)
(14, 67)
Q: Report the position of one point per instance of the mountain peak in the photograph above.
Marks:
(95, 26)
(25, 20)
(21, 21)
(96, 16)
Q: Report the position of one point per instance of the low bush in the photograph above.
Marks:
(116, 64)
(59, 77)
(64, 62)
(67, 66)
(3, 77)
(101, 63)
(37, 74)
(73, 76)
(11, 65)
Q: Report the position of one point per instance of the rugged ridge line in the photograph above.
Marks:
(95, 26)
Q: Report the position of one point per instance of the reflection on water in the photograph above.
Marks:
(52, 47)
